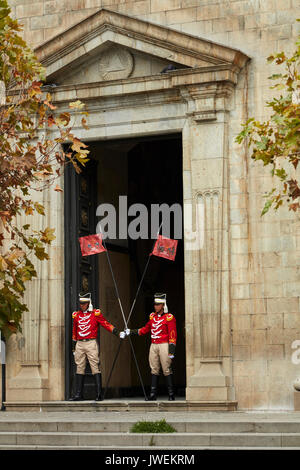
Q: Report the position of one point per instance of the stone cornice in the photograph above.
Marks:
(198, 79)
(184, 48)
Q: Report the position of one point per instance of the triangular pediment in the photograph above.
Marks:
(109, 45)
(113, 62)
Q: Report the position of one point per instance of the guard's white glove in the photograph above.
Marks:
(122, 334)
(127, 331)
(171, 356)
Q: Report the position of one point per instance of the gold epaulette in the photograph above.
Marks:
(74, 314)
(151, 315)
(97, 312)
(169, 316)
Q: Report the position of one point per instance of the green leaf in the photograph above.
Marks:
(267, 206)
(262, 145)
(275, 76)
(40, 253)
(39, 208)
(281, 174)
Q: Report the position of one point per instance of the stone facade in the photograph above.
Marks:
(248, 317)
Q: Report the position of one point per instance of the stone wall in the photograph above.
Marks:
(265, 252)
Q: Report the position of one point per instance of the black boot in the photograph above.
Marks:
(98, 380)
(154, 382)
(79, 387)
(169, 379)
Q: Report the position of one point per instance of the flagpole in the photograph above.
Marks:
(112, 368)
(114, 280)
(143, 275)
(131, 310)
(125, 323)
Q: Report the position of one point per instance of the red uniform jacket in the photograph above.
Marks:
(162, 327)
(85, 325)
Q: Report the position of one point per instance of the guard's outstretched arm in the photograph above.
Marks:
(108, 326)
(139, 331)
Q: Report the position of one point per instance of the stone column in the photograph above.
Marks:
(205, 160)
(39, 350)
(28, 384)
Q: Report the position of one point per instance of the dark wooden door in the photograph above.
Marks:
(81, 273)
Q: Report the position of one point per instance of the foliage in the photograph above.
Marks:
(152, 427)
(276, 142)
(30, 161)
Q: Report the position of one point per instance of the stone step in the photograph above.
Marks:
(124, 425)
(112, 405)
(117, 440)
(37, 447)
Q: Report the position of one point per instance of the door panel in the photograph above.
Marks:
(81, 273)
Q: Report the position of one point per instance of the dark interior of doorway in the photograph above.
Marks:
(148, 170)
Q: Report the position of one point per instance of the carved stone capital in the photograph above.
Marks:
(205, 100)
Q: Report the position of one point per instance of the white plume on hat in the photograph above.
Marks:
(161, 299)
(86, 298)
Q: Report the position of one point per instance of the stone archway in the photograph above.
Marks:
(113, 63)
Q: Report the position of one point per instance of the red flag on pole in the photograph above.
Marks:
(91, 244)
(165, 248)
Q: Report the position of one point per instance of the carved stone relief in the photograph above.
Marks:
(115, 63)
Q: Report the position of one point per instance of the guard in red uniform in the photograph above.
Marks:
(86, 322)
(162, 326)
